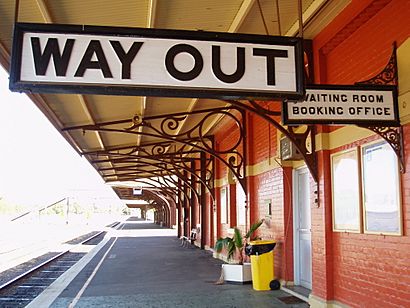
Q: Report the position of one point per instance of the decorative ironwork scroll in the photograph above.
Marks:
(301, 140)
(392, 135)
(160, 155)
(141, 166)
(166, 180)
(389, 73)
(169, 128)
(167, 192)
(154, 197)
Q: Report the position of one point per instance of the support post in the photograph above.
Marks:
(179, 206)
(203, 200)
(193, 205)
(186, 205)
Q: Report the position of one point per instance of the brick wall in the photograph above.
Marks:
(361, 270)
(269, 186)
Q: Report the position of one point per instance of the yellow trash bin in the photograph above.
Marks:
(261, 253)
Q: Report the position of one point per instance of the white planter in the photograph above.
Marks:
(236, 273)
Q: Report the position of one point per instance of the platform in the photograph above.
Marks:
(143, 265)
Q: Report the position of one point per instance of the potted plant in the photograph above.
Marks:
(238, 272)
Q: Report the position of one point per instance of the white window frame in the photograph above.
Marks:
(390, 167)
(346, 194)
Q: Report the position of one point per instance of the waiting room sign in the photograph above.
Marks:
(372, 105)
(151, 62)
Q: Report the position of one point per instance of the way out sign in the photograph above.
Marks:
(152, 62)
(356, 104)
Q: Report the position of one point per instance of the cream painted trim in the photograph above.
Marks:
(262, 167)
(267, 165)
(342, 136)
(404, 107)
(253, 170)
(221, 182)
(403, 64)
(324, 141)
(317, 302)
(298, 164)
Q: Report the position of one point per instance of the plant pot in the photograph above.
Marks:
(237, 273)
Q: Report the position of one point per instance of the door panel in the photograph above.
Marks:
(302, 225)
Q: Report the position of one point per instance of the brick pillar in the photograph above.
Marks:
(203, 207)
(287, 267)
(322, 256)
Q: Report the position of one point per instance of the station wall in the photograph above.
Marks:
(354, 269)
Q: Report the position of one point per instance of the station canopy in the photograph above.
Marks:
(128, 138)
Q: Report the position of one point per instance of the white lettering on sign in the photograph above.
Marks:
(344, 105)
(132, 61)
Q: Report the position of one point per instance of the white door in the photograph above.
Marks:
(302, 229)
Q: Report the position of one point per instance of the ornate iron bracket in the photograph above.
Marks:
(157, 155)
(169, 129)
(133, 175)
(301, 140)
(155, 198)
(166, 191)
(392, 135)
(141, 163)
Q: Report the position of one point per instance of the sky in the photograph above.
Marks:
(37, 165)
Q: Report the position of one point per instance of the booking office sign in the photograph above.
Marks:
(152, 62)
(373, 105)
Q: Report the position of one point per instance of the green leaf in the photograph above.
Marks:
(253, 228)
(222, 242)
(231, 249)
(237, 238)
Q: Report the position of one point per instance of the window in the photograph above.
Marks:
(346, 191)
(368, 200)
(224, 206)
(381, 189)
(240, 205)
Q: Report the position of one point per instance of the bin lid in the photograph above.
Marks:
(262, 242)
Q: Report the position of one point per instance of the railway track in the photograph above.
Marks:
(22, 284)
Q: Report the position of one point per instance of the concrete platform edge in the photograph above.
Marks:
(49, 295)
(317, 302)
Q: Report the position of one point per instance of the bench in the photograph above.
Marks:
(185, 240)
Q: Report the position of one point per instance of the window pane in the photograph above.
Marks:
(223, 206)
(240, 205)
(345, 191)
(381, 189)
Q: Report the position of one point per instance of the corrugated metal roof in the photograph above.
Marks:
(65, 110)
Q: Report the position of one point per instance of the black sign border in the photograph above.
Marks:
(105, 89)
(392, 123)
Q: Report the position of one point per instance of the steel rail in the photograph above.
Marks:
(28, 272)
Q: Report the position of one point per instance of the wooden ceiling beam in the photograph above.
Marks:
(4, 57)
(91, 118)
(241, 15)
(44, 11)
(234, 27)
(310, 12)
(151, 15)
(152, 12)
